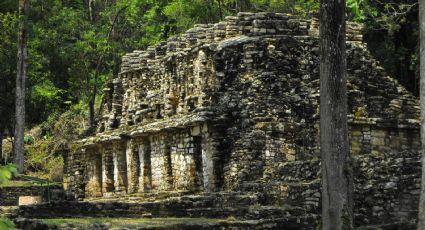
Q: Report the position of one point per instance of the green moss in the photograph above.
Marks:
(20, 183)
(120, 222)
(17, 184)
(231, 218)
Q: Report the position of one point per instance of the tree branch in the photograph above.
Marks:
(98, 65)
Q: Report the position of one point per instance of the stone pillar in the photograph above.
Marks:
(167, 166)
(107, 169)
(67, 162)
(145, 177)
(133, 169)
(204, 149)
(156, 163)
(120, 167)
(94, 173)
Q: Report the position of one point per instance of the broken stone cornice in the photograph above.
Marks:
(154, 127)
(385, 122)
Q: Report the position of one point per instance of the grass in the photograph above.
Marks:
(24, 183)
(120, 222)
(17, 183)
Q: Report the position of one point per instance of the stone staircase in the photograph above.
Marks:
(215, 205)
(290, 203)
(9, 211)
(223, 210)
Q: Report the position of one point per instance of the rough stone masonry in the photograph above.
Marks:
(234, 106)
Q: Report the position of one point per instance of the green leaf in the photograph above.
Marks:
(6, 173)
(6, 224)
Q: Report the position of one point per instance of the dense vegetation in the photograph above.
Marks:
(5, 175)
(75, 47)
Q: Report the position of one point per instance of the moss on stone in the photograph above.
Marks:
(128, 222)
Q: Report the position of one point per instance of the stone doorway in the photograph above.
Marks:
(120, 168)
(107, 170)
(145, 178)
(94, 174)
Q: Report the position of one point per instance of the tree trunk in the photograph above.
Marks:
(220, 9)
(2, 160)
(92, 122)
(91, 8)
(210, 12)
(92, 100)
(92, 95)
(337, 185)
(18, 156)
(421, 218)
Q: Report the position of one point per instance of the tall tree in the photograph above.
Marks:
(337, 205)
(18, 146)
(8, 50)
(421, 222)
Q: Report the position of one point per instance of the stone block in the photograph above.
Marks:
(30, 200)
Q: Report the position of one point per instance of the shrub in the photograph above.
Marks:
(45, 154)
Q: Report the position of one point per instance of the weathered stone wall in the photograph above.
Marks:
(9, 196)
(179, 160)
(387, 175)
(234, 106)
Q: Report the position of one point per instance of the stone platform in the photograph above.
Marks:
(220, 210)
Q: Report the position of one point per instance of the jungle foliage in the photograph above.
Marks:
(6, 173)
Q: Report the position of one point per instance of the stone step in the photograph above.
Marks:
(283, 192)
(246, 208)
(256, 213)
(9, 195)
(219, 205)
(9, 211)
(196, 206)
(212, 199)
(140, 196)
(406, 225)
(305, 222)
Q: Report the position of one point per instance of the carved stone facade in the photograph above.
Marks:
(234, 106)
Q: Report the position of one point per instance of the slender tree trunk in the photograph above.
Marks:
(91, 8)
(210, 11)
(92, 100)
(92, 95)
(421, 218)
(18, 156)
(2, 160)
(337, 186)
(92, 122)
(220, 9)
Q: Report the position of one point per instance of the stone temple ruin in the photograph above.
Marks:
(233, 107)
